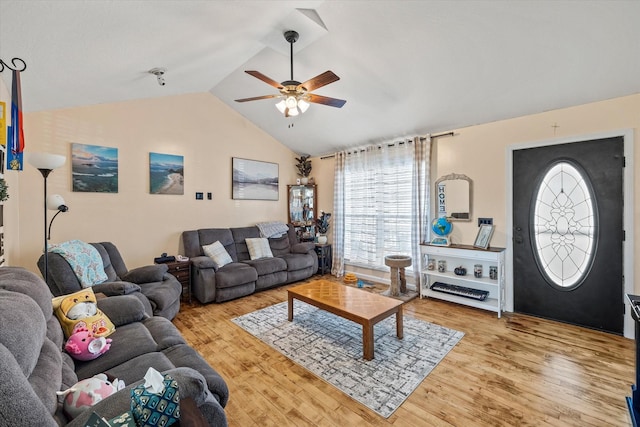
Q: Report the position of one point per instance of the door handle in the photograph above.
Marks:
(517, 238)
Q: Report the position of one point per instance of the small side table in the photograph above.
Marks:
(324, 258)
(181, 270)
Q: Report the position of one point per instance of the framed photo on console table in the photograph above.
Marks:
(254, 180)
(484, 236)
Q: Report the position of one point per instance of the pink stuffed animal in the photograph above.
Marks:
(87, 393)
(83, 345)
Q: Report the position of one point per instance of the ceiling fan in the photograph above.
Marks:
(296, 96)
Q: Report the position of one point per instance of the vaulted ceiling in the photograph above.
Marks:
(405, 67)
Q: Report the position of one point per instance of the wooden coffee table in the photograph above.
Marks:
(353, 304)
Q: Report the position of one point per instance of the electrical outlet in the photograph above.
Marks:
(487, 221)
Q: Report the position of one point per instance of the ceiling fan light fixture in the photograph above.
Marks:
(281, 106)
(291, 102)
(292, 112)
(303, 105)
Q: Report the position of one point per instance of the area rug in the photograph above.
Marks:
(331, 347)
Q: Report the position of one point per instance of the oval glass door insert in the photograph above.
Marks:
(564, 226)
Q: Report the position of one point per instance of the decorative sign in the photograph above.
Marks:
(442, 202)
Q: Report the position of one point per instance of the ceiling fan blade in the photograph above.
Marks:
(255, 98)
(325, 100)
(319, 81)
(267, 80)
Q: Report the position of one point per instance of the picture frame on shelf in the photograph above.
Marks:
(483, 237)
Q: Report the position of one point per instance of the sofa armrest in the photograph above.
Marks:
(190, 384)
(203, 262)
(146, 274)
(303, 247)
(111, 289)
(122, 309)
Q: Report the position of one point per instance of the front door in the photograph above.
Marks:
(568, 233)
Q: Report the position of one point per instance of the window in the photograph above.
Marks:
(564, 225)
(378, 204)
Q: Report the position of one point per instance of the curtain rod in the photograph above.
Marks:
(401, 142)
(13, 66)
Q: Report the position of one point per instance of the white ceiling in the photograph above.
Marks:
(406, 67)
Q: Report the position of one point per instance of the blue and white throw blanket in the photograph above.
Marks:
(84, 259)
(272, 229)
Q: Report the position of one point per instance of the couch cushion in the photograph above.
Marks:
(280, 245)
(222, 235)
(23, 329)
(128, 341)
(267, 265)
(112, 276)
(298, 261)
(235, 274)
(217, 253)
(240, 234)
(258, 248)
(146, 274)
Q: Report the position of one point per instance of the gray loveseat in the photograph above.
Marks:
(292, 261)
(161, 289)
(34, 366)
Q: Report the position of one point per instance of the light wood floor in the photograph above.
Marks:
(513, 371)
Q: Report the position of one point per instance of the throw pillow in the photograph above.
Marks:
(258, 248)
(217, 253)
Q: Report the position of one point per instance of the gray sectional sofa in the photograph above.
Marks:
(160, 290)
(292, 261)
(34, 366)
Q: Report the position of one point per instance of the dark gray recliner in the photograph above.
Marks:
(158, 290)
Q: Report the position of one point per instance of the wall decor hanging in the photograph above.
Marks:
(166, 174)
(254, 180)
(94, 169)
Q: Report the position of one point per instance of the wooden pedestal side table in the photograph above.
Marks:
(181, 270)
(324, 258)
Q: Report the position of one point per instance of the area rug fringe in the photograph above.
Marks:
(331, 347)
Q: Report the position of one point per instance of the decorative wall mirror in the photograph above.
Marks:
(453, 197)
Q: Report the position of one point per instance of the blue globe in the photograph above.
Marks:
(441, 226)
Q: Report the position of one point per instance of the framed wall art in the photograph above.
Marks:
(94, 169)
(166, 174)
(254, 180)
(484, 236)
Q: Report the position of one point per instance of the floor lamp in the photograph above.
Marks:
(45, 163)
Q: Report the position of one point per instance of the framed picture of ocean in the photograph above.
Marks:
(254, 180)
(166, 174)
(94, 169)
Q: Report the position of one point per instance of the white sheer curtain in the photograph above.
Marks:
(381, 204)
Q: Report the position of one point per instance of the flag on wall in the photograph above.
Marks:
(16, 134)
(3, 123)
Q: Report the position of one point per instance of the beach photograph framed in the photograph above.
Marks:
(94, 168)
(254, 180)
(166, 174)
(484, 236)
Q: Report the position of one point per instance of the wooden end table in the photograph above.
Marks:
(181, 270)
(357, 305)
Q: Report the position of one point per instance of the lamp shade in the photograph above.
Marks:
(54, 201)
(45, 160)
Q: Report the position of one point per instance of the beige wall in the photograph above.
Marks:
(199, 127)
(480, 153)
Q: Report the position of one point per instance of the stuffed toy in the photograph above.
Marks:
(80, 310)
(87, 393)
(84, 345)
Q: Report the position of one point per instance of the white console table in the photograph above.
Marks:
(464, 256)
